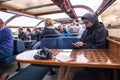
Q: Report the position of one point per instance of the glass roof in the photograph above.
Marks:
(27, 3)
(93, 4)
(23, 21)
(56, 16)
(80, 11)
(5, 16)
(46, 9)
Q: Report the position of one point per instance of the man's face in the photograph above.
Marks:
(87, 23)
(60, 28)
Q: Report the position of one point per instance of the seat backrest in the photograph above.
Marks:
(50, 43)
(18, 46)
(59, 43)
(66, 43)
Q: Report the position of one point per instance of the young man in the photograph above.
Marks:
(6, 45)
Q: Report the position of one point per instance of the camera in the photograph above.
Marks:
(44, 53)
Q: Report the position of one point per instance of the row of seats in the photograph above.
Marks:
(59, 43)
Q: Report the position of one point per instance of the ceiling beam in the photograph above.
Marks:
(20, 26)
(39, 22)
(46, 13)
(14, 9)
(84, 7)
(11, 18)
(39, 6)
(74, 15)
(61, 4)
(105, 6)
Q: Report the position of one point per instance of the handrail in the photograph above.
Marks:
(114, 41)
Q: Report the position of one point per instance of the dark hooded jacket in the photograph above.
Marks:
(94, 37)
(50, 33)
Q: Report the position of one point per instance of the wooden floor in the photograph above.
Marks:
(10, 69)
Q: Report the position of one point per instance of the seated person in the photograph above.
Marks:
(22, 35)
(94, 37)
(48, 32)
(63, 31)
(6, 45)
(28, 34)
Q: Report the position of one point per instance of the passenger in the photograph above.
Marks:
(28, 34)
(63, 31)
(74, 29)
(94, 37)
(37, 36)
(22, 34)
(48, 32)
(6, 45)
(81, 30)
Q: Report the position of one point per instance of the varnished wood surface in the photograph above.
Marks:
(114, 47)
(29, 41)
(98, 58)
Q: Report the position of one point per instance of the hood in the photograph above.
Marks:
(91, 17)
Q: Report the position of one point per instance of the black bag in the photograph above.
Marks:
(45, 53)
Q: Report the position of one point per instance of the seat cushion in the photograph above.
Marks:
(7, 60)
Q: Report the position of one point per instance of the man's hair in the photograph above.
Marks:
(1, 21)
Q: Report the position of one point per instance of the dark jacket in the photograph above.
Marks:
(22, 36)
(94, 37)
(6, 41)
(36, 36)
(49, 33)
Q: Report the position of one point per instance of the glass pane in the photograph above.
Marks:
(80, 11)
(5, 16)
(27, 3)
(56, 16)
(23, 21)
(93, 4)
(45, 9)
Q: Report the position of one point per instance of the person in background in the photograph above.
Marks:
(22, 34)
(28, 34)
(74, 29)
(37, 36)
(6, 45)
(81, 30)
(94, 37)
(63, 31)
(49, 30)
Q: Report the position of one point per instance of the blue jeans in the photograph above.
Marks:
(4, 53)
(36, 45)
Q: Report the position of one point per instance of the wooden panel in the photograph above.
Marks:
(114, 47)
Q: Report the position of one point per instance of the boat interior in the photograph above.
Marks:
(33, 13)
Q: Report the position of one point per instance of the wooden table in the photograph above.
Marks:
(95, 58)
